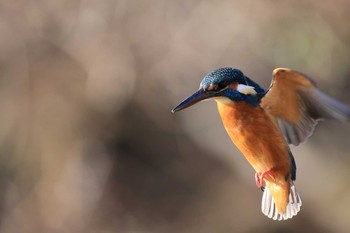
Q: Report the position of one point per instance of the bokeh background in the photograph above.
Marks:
(87, 139)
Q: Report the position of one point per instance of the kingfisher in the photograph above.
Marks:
(263, 123)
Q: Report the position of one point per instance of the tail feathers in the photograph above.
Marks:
(269, 208)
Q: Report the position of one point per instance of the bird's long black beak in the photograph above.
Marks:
(193, 99)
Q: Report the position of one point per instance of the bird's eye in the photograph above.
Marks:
(212, 87)
(215, 87)
(221, 86)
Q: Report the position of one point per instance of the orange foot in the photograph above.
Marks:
(260, 176)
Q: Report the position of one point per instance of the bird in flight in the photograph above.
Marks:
(262, 124)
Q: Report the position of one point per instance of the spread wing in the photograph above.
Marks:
(296, 104)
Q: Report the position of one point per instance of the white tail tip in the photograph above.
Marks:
(268, 206)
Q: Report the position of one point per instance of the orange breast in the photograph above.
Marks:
(256, 136)
(262, 144)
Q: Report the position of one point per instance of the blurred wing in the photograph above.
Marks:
(296, 104)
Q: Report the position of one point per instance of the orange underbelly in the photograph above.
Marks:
(256, 136)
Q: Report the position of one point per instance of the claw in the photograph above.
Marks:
(258, 180)
(260, 176)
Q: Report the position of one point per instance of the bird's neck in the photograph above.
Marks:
(233, 111)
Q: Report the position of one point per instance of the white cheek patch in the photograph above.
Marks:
(245, 89)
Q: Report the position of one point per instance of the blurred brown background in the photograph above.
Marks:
(87, 140)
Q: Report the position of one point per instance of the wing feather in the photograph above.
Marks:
(294, 101)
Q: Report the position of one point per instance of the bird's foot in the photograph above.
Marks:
(260, 176)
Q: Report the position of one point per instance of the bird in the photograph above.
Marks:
(263, 123)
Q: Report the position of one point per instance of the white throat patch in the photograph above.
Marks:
(245, 89)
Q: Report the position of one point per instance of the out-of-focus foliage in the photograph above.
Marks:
(87, 140)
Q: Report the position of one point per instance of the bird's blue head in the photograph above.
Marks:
(227, 84)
